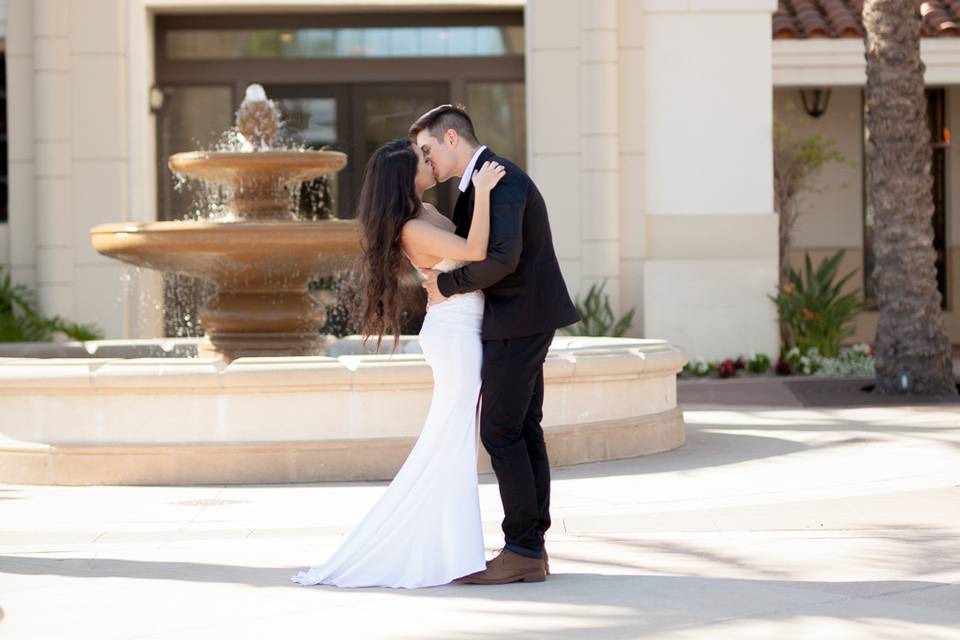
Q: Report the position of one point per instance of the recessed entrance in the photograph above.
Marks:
(348, 82)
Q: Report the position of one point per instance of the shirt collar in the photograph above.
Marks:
(468, 172)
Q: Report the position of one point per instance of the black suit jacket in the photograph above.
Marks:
(520, 277)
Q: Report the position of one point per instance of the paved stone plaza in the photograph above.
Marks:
(771, 522)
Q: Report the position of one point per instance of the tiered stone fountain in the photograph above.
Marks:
(261, 258)
(261, 409)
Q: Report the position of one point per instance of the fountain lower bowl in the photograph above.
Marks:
(228, 253)
(262, 270)
(348, 415)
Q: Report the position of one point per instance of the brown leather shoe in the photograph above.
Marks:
(508, 567)
(546, 562)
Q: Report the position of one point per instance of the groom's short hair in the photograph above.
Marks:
(446, 116)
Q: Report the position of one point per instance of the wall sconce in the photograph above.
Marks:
(156, 98)
(815, 101)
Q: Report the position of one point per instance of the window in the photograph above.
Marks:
(346, 42)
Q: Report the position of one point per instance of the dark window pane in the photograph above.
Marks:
(313, 122)
(498, 110)
(192, 118)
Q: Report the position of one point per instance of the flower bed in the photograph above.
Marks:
(856, 360)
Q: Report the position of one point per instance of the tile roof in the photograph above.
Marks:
(798, 19)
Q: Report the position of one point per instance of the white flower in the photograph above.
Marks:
(700, 366)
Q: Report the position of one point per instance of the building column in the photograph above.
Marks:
(21, 222)
(106, 290)
(632, 156)
(552, 57)
(599, 147)
(711, 232)
(573, 133)
(53, 117)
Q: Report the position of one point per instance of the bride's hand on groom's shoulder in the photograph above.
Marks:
(486, 177)
(433, 291)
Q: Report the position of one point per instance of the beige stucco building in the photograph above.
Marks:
(646, 123)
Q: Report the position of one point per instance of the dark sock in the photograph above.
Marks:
(524, 551)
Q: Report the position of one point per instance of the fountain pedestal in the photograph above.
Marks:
(249, 323)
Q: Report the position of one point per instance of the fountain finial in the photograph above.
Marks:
(258, 119)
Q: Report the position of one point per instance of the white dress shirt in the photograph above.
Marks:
(468, 173)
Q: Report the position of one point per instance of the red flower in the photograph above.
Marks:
(782, 367)
(726, 369)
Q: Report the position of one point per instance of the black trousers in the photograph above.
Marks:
(510, 415)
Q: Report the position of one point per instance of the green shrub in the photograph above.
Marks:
(699, 368)
(813, 310)
(759, 363)
(804, 362)
(20, 321)
(596, 315)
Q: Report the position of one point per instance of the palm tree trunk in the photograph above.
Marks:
(912, 348)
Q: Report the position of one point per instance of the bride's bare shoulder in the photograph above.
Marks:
(414, 225)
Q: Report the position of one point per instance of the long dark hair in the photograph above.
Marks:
(388, 199)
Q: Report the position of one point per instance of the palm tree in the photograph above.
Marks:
(912, 348)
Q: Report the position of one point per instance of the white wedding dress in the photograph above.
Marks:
(425, 529)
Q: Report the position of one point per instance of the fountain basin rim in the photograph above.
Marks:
(287, 166)
(193, 421)
(569, 359)
(226, 226)
(243, 158)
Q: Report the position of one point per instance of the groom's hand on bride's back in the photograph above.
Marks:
(430, 284)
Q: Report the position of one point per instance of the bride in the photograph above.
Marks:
(425, 529)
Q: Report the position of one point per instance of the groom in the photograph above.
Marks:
(526, 302)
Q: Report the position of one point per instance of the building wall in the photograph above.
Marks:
(832, 212)
(673, 211)
(21, 256)
(68, 153)
(710, 228)
(4, 226)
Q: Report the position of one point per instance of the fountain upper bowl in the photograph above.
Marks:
(229, 167)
